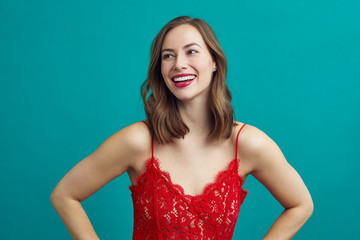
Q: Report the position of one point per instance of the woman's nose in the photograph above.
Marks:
(180, 63)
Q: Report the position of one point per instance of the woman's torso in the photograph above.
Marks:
(194, 193)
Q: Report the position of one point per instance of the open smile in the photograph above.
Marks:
(183, 80)
(177, 78)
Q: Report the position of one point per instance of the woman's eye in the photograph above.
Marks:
(192, 51)
(167, 56)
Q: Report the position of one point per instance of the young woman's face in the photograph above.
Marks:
(186, 63)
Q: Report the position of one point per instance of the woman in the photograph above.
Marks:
(184, 160)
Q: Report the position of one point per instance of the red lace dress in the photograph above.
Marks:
(163, 211)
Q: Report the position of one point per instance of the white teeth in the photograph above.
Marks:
(179, 79)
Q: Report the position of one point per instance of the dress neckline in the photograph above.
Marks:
(153, 163)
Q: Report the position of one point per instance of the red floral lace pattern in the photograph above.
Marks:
(163, 211)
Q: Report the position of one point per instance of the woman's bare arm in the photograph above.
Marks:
(269, 166)
(109, 161)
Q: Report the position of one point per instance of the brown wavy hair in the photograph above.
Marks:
(161, 105)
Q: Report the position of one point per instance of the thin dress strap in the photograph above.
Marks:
(152, 141)
(237, 137)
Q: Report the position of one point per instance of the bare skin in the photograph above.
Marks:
(128, 149)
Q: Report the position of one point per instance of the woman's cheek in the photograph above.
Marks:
(165, 69)
(200, 64)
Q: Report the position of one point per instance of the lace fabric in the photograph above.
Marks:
(162, 210)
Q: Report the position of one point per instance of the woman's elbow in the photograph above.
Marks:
(58, 195)
(308, 208)
(55, 196)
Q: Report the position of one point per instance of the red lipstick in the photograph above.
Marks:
(184, 82)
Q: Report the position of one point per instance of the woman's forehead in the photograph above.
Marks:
(181, 36)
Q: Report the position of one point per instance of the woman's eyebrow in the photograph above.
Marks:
(186, 46)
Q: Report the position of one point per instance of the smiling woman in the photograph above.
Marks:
(189, 63)
(184, 47)
(183, 161)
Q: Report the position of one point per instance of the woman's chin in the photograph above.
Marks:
(190, 97)
(183, 98)
(190, 94)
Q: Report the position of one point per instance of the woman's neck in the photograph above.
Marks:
(196, 115)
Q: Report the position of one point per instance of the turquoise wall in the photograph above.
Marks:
(70, 73)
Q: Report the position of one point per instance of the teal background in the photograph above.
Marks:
(70, 75)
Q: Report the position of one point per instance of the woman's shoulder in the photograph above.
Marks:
(135, 138)
(249, 132)
(251, 140)
(255, 147)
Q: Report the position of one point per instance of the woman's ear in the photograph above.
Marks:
(215, 67)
